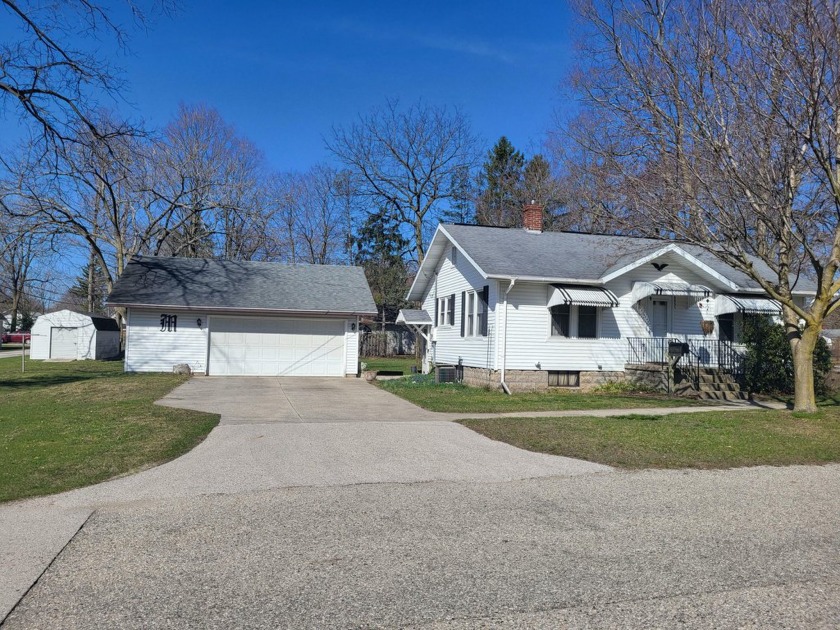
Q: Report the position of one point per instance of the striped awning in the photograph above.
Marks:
(581, 296)
(739, 304)
(645, 289)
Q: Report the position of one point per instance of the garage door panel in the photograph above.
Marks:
(276, 347)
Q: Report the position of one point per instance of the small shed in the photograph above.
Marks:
(71, 335)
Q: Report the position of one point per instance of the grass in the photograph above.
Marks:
(456, 398)
(67, 425)
(390, 364)
(690, 440)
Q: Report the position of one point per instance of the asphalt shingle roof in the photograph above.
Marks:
(517, 252)
(239, 285)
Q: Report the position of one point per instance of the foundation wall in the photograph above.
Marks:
(533, 380)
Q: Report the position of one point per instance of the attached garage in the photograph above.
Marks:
(71, 335)
(230, 318)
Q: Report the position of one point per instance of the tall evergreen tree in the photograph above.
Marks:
(380, 249)
(499, 201)
(90, 290)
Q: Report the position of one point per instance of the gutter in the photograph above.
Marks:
(504, 341)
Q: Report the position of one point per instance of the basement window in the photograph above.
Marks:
(563, 378)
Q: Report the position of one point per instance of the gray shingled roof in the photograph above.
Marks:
(236, 285)
(584, 257)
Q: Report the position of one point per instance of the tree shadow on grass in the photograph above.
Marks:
(43, 380)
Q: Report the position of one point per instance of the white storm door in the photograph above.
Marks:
(63, 343)
(250, 346)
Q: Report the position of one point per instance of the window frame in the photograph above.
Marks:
(573, 322)
(551, 315)
(469, 311)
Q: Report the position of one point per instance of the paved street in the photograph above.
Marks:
(330, 503)
(745, 548)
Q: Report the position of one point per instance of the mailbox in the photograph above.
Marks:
(677, 349)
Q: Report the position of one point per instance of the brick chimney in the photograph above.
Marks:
(532, 217)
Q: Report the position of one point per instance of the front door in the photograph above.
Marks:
(659, 318)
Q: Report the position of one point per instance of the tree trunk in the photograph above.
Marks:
(802, 346)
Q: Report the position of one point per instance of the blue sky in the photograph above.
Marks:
(284, 72)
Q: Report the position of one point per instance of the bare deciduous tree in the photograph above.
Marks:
(726, 117)
(406, 159)
(50, 81)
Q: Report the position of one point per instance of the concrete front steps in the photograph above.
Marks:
(718, 385)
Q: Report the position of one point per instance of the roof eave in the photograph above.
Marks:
(433, 256)
(242, 309)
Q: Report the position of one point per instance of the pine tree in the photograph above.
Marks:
(379, 248)
(90, 298)
(499, 202)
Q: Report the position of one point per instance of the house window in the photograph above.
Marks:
(587, 322)
(560, 320)
(474, 323)
(563, 379)
(446, 310)
(481, 313)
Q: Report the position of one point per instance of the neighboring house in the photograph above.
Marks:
(242, 318)
(70, 335)
(532, 310)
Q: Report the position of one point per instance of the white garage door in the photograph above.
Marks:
(63, 343)
(276, 347)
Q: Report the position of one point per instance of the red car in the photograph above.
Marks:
(17, 337)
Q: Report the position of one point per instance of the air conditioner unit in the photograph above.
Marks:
(446, 374)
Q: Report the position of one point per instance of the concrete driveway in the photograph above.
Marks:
(275, 433)
(310, 506)
(258, 400)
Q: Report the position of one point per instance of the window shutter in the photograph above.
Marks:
(452, 310)
(437, 306)
(463, 312)
(485, 297)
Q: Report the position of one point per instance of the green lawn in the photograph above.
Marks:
(66, 425)
(390, 364)
(699, 440)
(452, 397)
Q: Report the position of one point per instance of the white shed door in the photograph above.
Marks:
(63, 343)
(276, 347)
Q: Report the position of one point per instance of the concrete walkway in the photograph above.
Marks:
(281, 433)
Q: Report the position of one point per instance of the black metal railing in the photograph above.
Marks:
(648, 350)
(699, 353)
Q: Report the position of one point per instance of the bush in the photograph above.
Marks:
(768, 365)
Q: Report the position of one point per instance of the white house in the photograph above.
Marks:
(70, 335)
(528, 309)
(242, 318)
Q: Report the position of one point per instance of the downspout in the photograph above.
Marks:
(504, 339)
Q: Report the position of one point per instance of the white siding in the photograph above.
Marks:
(684, 316)
(148, 349)
(530, 345)
(351, 347)
(449, 346)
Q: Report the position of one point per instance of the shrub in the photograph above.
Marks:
(768, 365)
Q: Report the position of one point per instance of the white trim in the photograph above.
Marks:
(672, 248)
(434, 260)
